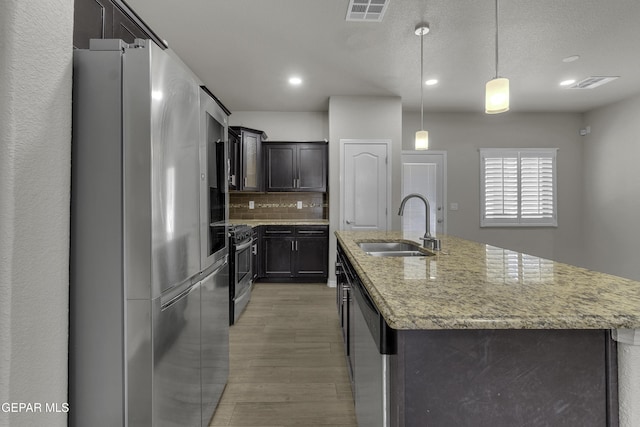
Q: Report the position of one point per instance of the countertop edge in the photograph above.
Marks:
(426, 321)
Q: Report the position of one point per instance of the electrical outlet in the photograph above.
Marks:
(453, 206)
(299, 205)
(252, 205)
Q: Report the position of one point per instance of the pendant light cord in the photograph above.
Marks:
(496, 39)
(421, 82)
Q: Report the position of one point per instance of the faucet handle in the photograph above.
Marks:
(431, 243)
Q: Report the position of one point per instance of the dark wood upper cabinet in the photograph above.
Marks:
(281, 167)
(294, 166)
(108, 19)
(234, 159)
(91, 21)
(249, 162)
(126, 29)
(312, 167)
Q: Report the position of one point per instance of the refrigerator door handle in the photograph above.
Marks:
(178, 297)
(206, 274)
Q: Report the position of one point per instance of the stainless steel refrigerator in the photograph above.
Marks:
(149, 278)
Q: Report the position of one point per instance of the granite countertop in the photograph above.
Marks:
(257, 222)
(469, 285)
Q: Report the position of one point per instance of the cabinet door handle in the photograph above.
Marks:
(292, 246)
(296, 245)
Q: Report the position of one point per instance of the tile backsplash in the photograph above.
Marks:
(278, 205)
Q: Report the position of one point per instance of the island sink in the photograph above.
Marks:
(398, 249)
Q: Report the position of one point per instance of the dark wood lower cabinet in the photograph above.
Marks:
(295, 253)
(311, 257)
(278, 256)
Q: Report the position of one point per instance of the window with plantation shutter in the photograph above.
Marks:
(518, 187)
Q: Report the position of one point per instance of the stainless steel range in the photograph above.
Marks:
(241, 271)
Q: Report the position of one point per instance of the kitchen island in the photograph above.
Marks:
(479, 335)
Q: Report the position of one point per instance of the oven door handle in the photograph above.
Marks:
(243, 246)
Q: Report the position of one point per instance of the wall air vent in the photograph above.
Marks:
(367, 10)
(592, 82)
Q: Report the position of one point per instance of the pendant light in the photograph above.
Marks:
(422, 136)
(497, 89)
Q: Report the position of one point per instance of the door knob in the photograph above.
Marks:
(439, 221)
(349, 222)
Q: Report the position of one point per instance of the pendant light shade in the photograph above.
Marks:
(497, 96)
(422, 136)
(497, 89)
(422, 140)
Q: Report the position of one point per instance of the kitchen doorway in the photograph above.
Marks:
(365, 185)
(425, 173)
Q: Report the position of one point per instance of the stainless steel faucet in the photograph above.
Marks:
(428, 241)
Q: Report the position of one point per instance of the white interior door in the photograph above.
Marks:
(424, 173)
(365, 185)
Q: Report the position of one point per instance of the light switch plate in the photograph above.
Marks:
(252, 205)
(299, 205)
(453, 206)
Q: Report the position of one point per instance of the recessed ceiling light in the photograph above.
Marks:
(295, 81)
(571, 58)
(431, 82)
(567, 82)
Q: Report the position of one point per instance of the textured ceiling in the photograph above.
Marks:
(245, 50)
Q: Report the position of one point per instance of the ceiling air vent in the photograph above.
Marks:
(592, 82)
(367, 10)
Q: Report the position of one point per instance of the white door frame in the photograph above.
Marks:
(387, 143)
(444, 178)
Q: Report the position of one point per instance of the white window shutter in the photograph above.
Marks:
(537, 189)
(501, 187)
(518, 187)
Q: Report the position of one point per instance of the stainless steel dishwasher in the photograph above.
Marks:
(373, 361)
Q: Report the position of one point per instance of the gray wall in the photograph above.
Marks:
(35, 142)
(285, 126)
(361, 117)
(611, 208)
(612, 188)
(462, 134)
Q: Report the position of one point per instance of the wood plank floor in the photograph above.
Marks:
(287, 361)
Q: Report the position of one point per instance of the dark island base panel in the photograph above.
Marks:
(506, 378)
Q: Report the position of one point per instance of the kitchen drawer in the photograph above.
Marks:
(312, 230)
(278, 231)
